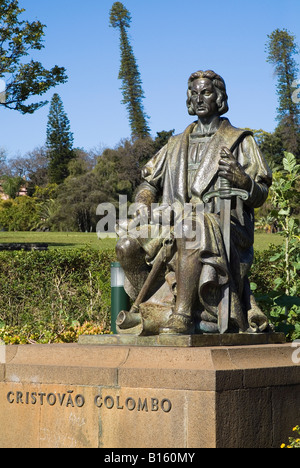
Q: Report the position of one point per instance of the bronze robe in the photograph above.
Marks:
(166, 177)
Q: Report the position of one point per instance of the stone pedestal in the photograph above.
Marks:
(133, 396)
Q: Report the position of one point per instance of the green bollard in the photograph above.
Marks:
(119, 297)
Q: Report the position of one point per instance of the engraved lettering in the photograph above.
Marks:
(118, 403)
(109, 402)
(142, 406)
(70, 401)
(10, 398)
(19, 398)
(166, 405)
(109, 405)
(41, 395)
(79, 401)
(61, 398)
(98, 401)
(51, 399)
(130, 404)
(154, 404)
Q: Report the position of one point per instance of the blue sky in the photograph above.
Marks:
(171, 39)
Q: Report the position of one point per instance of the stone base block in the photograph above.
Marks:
(111, 396)
(203, 340)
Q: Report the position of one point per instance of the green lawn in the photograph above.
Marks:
(262, 240)
(69, 240)
(65, 240)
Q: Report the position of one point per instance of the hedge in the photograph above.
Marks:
(55, 295)
(55, 286)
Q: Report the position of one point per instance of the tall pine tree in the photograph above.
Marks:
(281, 49)
(59, 141)
(129, 74)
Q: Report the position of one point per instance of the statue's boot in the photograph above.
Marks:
(178, 324)
(188, 272)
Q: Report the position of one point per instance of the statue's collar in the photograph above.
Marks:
(200, 131)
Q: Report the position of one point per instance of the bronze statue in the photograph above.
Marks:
(194, 278)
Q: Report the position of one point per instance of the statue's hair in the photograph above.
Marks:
(219, 85)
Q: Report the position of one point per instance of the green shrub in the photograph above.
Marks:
(55, 287)
(46, 333)
(294, 442)
(21, 214)
(56, 295)
(264, 271)
(268, 277)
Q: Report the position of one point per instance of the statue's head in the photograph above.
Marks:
(213, 89)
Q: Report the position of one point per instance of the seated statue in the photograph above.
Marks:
(191, 276)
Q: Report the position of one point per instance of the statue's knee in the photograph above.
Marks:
(122, 248)
(126, 248)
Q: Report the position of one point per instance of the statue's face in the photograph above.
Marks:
(204, 98)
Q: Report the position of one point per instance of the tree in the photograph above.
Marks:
(33, 168)
(59, 141)
(20, 214)
(162, 139)
(23, 80)
(271, 145)
(11, 186)
(82, 163)
(129, 74)
(77, 201)
(3, 156)
(281, 49)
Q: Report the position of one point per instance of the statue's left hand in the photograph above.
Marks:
(230, 169)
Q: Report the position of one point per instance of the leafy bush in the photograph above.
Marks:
(21, 214)
(294, 442)
(284, 263)
(46, 333)
(56, 295)
(268, 277)
(54, 288)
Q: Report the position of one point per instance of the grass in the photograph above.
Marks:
(65, 240)
(69, 240)
(262, 240)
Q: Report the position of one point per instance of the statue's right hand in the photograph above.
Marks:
(140, 210)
